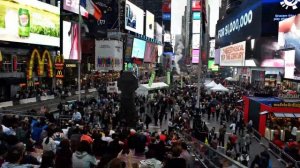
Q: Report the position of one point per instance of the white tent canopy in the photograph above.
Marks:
(230, 79)
(211, 84)
(144, 88)
(219, 88)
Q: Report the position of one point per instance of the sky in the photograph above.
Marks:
(177, 7)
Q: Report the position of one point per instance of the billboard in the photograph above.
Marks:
(211, 66)
(166, 16)
(128, 49)
(196, 41)
(196, 5)
(31, 22)
(289, 36)
(233, 55)
(196, 16)
(196, 26)
(290, 71)
(138, 49)
(73, 6)
(149, 24)
(109, 55)
(166, 6)
(150, 53)
(158, 32)
(70, 40)
(212, 48)
(195, 56)
(134, 18)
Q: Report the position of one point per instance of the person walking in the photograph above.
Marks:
(148, 120)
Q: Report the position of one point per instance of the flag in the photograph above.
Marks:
(91, 8)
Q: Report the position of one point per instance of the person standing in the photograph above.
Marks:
(222, 132)
(148, 121)
(218, 111)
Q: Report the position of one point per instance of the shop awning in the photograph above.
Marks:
(286, 115)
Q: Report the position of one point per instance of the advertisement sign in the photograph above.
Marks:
(195, 56)
(134, 18)
(289, 65)
(167, 37)
(159, 53)
(32, 22)
(212, 48)
(196, 5)
(166, 16)
(41, 64)
(289, 37)
(73, 6)
(233, 55)
(217, 56)
(128, 49)
(196, 26)
(196, 41)
(149, 24)
(242, 23)
(148, 52)
(166, 6)
(274, 11)
(211, 66)
(196, 16)
(70, 40)
(152, 77)
(109, 55)
(158, 32)
(138, 49)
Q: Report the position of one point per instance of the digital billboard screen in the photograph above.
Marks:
(233, 55)
(149, 24)
(134, 18)
(195, 56)
(138, 49)
(196, 26)
(196, 16)
(212, 66)
(70, 40)
(31, 22)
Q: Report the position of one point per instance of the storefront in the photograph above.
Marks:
(270, 114)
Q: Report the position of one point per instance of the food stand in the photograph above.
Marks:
(272, 116)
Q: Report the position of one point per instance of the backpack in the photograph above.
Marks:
(244, 159)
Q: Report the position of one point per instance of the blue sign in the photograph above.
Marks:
(138, 49)
(196, 16)
(167, 16)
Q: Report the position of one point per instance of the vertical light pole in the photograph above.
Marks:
(199, 61)
(79, 53)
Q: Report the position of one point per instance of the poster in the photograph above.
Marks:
(109, 55)
(31, 22)
(233, 55)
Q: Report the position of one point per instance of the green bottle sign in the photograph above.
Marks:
(24, 22)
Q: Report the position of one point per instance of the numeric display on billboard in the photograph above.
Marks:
(134, 18)
(32, 22)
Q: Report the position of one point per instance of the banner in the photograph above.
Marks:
(168, 78)
(151, 78)
(32, 22)
(109, 55)
(233, 55)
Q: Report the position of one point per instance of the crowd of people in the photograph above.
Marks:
(93, 134)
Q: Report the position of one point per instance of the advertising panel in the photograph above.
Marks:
(196, 26)
(196, 16)
(128, 49)
(211, 66)
(166, 16)
(138, 49)
(196, 5)
(70, 40)
(32, 22)
(212, 48)
(242, 23)
(134, 18)
(158, 32)
(196, 41)
(73, 6)
(233, 55)
(109, 55)
(289, 37)
(149, 24)
(167, 37)
(195, 56)
(148, 52)
(217, 56)
(166, 6)
(159, 53)
(289, 64)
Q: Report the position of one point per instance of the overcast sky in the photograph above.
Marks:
(177, 13)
